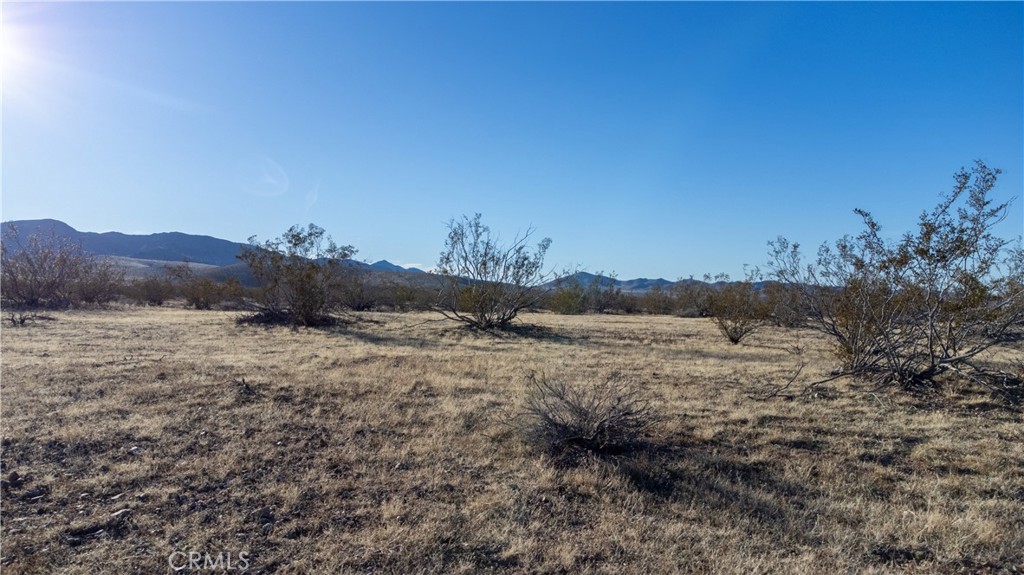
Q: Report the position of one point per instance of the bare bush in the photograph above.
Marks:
(928, 304)
(53, 272)
(22, 319)
(484, 282)
(567, 419)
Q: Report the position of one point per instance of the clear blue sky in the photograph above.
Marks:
(653, 139)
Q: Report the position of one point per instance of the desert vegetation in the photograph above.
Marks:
(486, 283)
(299, 276)
(153, 290)
(862, 412)
(48, 272)
(737, 308)
(200, 292)
(911, 311)
(396, 444)
(572, 295)
(567, 420)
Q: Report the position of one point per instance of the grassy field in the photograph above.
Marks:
(131, 436)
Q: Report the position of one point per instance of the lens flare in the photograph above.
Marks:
(14, 53)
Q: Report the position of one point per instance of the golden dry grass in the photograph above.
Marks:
(382, 447)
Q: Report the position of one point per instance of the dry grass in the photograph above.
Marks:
(382, 447)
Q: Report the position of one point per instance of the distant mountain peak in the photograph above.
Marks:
(162, 246)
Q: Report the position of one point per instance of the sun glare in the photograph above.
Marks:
(15, 56)
(12, 52)
(26, 68)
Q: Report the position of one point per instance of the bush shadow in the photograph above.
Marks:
(534, 332)
(718, 479)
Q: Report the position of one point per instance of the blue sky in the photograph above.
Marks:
(652, 139)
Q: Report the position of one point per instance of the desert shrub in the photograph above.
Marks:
(403, 297)
(928, 304)
(485, 283)
(657, 300)
(566, 420)
(567, 301)
(574, 295)
(603, 293)
(691, 297)
(627, 303)
(569, 298)
(53, 272)
(153, 290)
(202, 292)
(298, 275)
(355, 289)
(784, 305)
(737, 308)
(100, 281)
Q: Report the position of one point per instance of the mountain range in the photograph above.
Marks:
(149, 254)
(136, 250)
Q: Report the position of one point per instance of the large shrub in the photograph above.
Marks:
(737, 308)
(927, 304)
(48, 271)
(299, 275)
(486, 283)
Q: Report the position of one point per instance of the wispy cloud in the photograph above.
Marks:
(265, 178)
(311, 197)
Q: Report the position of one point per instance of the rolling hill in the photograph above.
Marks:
(149, 254)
